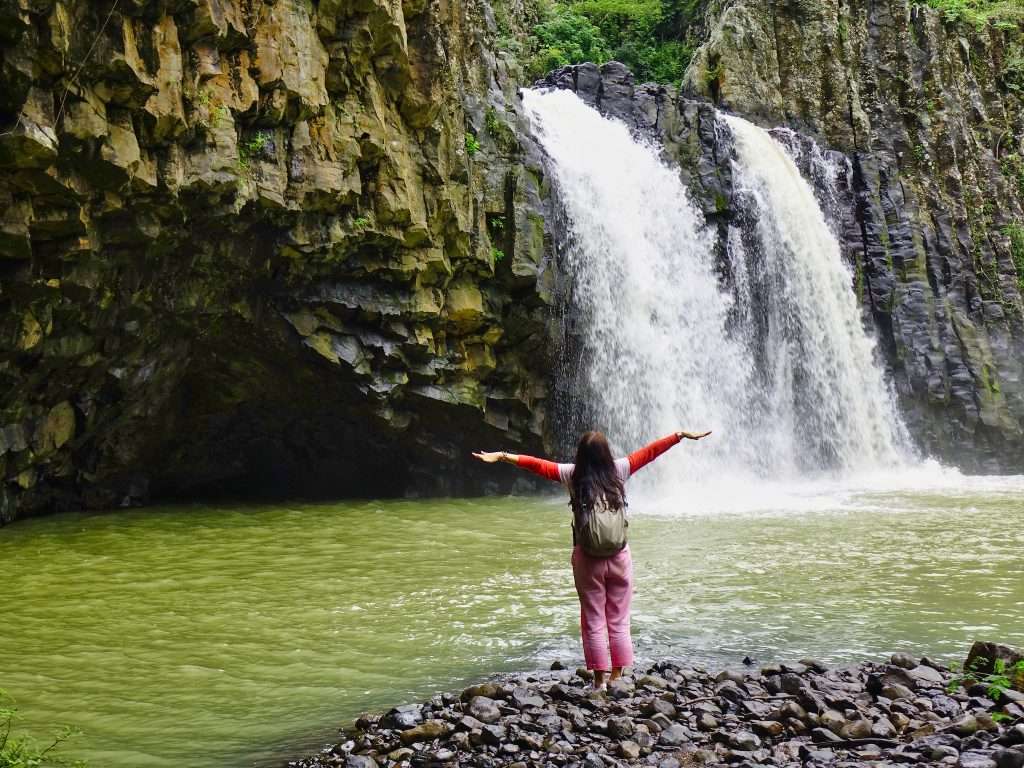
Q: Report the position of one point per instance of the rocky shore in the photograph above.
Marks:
(673, 715)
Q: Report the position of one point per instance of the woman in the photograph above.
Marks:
(601, 564)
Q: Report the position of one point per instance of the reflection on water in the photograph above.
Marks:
(198, 636)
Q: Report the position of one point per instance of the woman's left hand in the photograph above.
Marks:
(692, 436)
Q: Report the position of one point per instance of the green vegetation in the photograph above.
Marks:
(980, 12)
(1013, 69)
(654, 38)
(997, 682)
(21, 752)
(713, 76)
(497, 254)
(247, 150)
(503, 136)
(360, 223)
(1016, 234)
(1012, 166)
(472, 145)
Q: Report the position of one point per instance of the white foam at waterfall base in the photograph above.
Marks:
(667, 347)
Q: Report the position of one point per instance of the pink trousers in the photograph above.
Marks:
(605, 587)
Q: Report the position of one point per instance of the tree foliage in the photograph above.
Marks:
(654, 38)
(980, 12)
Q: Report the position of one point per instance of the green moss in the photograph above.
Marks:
(1012, 73)
(472, 144)
(1016, 234)
(714, 73)
(503, 136)
(979, 12)
(251, 148)
(721, 203)
(1012, 166)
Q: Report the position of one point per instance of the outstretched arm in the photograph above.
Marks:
(649, 453)
(542, 467)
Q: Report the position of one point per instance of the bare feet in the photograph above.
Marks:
(616, 674)
(600, 680)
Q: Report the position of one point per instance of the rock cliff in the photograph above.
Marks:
(931, 116)
(305, 247)
(251, 246)
(927, 121)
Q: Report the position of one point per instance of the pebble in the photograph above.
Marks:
(629, 750)
(668, 716)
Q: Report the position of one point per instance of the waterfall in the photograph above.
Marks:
(774, 360)
(810, 327)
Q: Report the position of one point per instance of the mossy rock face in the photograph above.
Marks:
(247, 252)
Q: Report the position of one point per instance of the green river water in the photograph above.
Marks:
(202, 637)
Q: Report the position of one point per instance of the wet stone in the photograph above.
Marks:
(1009, 758)
(426, 731)
(768, 729)
(651, 681)
(469, 723)
(707, 722)
(674, 735)
(883, 729)
(926, 676)
(837, 719)
(629, 750)
(493, 735)
(965, 726)
(824, 736)
(656, 706)
(487, 690)
(621, 689)
(744, 741)
(484, 709)
(904, 660)
(791, 683)
(897, 691)
(620, 727)
(976, 760)
(403, 717)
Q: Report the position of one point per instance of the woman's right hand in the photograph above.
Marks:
(489, 457)
(692, 436)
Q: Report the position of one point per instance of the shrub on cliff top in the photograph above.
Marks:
(980, 12)
(654, 38)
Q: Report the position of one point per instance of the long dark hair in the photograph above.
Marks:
(594, 477)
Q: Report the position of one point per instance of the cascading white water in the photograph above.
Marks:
(657, 355)
(667, 347)
(832, 395)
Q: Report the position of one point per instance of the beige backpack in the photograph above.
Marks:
(601, 531)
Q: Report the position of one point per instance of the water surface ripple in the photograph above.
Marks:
(235, 636)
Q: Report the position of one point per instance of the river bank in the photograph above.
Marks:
(902, 711)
